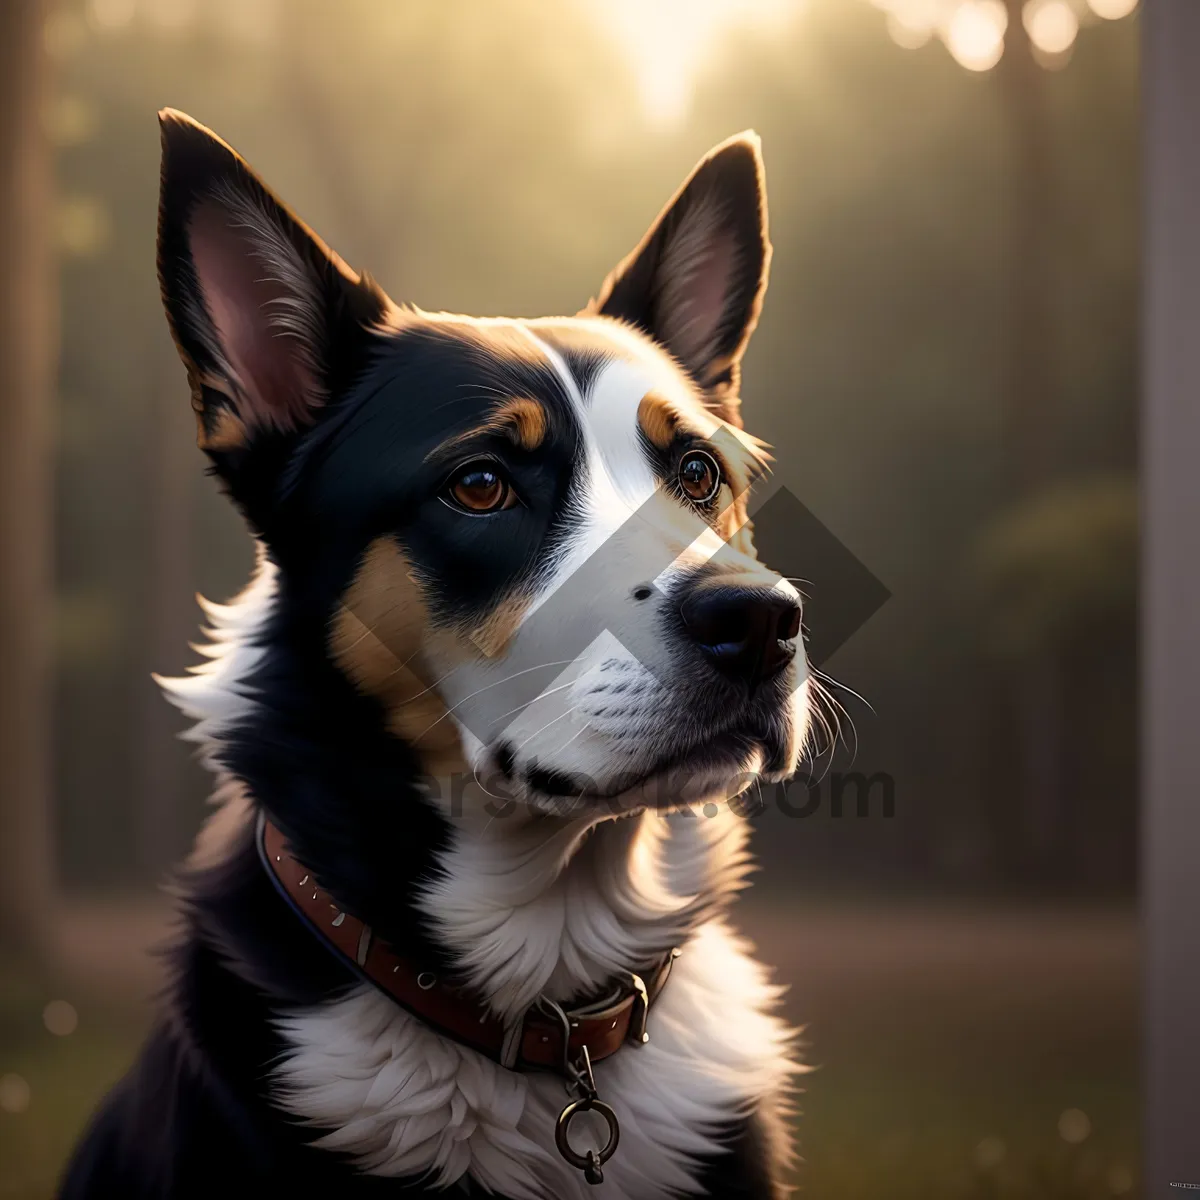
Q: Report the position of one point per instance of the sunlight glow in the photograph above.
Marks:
(911, 23)
(1112, 10)
(975, 34)
(907, 33)
(110, 14)
(250, 20)
(1052, 25)
(669, 41)
(173, 15)
(973, 30)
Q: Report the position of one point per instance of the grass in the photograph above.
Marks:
(949, 1049)
(65, 1076)
(949, 1042)
(914, 1141)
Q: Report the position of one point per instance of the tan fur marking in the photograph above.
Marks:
(520, 418)
(224, 432)
(741, 457)
(493, 636)
(658, 419)
(376, 639)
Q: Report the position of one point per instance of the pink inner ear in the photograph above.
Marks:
(274, 384)
(698, 276)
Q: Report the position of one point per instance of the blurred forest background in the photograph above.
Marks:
(946, 367)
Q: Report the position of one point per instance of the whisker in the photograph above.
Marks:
(560, 749)
(816, 750)
(425, 690)
(562, 687)
(483, 387)
(368, 631)
(554, 721)
(837, 711)
(483, 788)
(833, 700)
(842, 686)
(488, 687)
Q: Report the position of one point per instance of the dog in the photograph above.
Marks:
(481, 726)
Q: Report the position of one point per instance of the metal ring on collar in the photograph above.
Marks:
(561, 1128)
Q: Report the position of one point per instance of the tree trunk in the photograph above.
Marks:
(27, 354)
(1029, 383)
(1030, 796)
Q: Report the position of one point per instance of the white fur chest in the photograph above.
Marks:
(401, 1100)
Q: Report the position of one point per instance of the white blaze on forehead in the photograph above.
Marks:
(559, 364)
(615, 462)
(615, 400)
(617, 477)
(617, 457)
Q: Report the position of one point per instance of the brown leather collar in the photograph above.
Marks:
(534, 1042)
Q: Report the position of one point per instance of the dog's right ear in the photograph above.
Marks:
(269, 321)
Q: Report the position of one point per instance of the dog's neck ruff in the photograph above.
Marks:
(543, 1038)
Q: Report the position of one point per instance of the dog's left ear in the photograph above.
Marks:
(695, 282)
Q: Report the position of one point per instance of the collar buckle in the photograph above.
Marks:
(641, 1011)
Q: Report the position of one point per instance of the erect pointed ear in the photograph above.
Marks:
(695, 282)
(270, 323)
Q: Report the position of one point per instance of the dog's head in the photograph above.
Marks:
(526, 540)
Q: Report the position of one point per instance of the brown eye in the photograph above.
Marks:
(480, 488)
(699, 476)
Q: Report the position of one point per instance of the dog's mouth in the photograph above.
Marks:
(718, 768)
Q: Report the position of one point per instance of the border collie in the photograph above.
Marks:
(479, 726)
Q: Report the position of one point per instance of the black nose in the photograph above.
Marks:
(747, 633)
